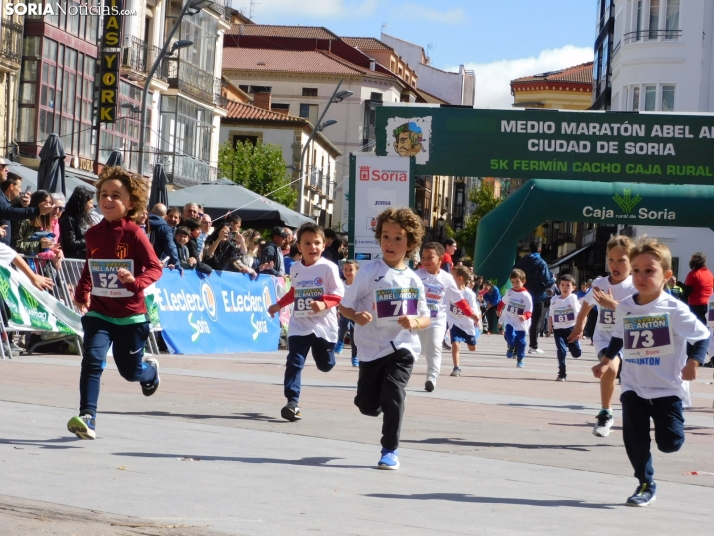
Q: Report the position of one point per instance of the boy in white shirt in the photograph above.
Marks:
(652, 330)
(517, 319)
(606, 292)
(463, 323)
(440, 290)
(561, 320)
(387, 303)
(315, 290)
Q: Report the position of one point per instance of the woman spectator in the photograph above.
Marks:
(698, 286)
(75, 221)
(241, 261)
(35, 236)
(252, 246)
(219, 248)
(491, 299)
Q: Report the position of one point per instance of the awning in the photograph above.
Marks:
(570, 256)
(29, 178)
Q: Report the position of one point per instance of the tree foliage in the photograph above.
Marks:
(259, 168)
(485, 201)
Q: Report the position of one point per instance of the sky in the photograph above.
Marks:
(500, 40)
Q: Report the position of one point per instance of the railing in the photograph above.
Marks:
(189, 171)
(218, 98)
(11, 41)
(221, 7)
(139, 57)
(652, 35)
(192, 80)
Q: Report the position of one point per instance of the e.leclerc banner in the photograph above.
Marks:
(624, 146)
(223, 313)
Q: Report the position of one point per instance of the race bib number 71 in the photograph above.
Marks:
(391, 303)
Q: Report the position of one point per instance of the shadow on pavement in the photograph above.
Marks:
(44, 443)
(309, 462)
(571, 406)
(239, 416)
(464, 443)
(462, 497)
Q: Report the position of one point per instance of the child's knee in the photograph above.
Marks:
(472, 347)
(670, 444)
(367, 407)
(325, 366)
(576, 352)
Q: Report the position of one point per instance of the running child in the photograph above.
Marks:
(563, 311)
(387, 303)
(606, 292)
(441, 291)
(465, 327)
(316, 290)
(349, 270)
(518, 306)
(121, 263)
(652, 330)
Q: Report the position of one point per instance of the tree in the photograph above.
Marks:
(258, 167)
(485, 201)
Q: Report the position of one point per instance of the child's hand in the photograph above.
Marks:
(498, 313)
(406, 322)
(125, 276)
(318, 305)
(602, 367)
(604, 300)
(576, 333)
(689, 372)
(275, 308)
(192, 261)
(42, 283)
(82, 307)
(363, 318)
(522, 318)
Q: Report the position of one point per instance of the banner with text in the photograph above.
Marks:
(628, 146)
(224, 313)
(376, 184)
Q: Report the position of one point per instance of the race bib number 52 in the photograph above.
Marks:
(391, 303)
(105, 281)
(648, 336)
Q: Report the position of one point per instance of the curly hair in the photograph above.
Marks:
(436, 247)
(135, 184)
(407, 220)
(697, 260)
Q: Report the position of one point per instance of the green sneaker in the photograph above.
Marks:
(83, 427)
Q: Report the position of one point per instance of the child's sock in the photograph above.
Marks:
(607, 410)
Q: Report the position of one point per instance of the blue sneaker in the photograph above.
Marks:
(644, 495)
(339, 345)
(509, 352)
(389, 459)
(520, 364)
(83, 427)
(149, 390)
(355, 362)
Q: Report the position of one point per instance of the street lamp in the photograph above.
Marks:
(133, 107)
(337, 96)
(191, 7)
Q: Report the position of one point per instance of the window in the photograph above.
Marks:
(309, 92)
(375, 96)
(239, 138)
(280, 107)
(650, 98)
(672, 19)
(309, 112)
(667, 98)
(640, 18)
(654, 19)
(636, 99)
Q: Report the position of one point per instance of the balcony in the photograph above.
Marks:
(188, 171)
(138, 58)
(10, 46)
(221, 8)
(195, 82)
(643, 36)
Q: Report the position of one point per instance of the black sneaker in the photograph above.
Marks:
(429, 385)
(644, 495)
(291, 412)
(445, 346)
(149, 390)
(561, 378)
(605, 421)
(456, 371)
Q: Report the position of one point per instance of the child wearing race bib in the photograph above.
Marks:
(606, 293)
(121, 263)
(440, 290)
(315, 290)
(563, 310)
(463, 324)
(518, 306)
(349, 270)
(652, 332)
(388, 305)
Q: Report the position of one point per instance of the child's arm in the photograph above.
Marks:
(580, 321)
(529, 313)
(606, 362)
(282, 302)
(362, 318)
(550, 324)
(42, 283)
(336, 290)
(423, 320)
(147, 260)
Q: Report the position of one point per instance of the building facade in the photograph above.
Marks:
(10, 63)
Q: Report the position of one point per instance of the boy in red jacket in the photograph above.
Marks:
(120, 263)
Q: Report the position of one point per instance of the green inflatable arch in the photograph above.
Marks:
(608, 203)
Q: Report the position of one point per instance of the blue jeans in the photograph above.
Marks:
(516, 339)
(668, 418)
(298, 347)
(347, 326)
(128, 353)
(562, 346)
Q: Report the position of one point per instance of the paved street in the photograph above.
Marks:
(500, 450)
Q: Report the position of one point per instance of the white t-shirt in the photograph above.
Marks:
(655, 350)
(606, 317)
(517, 303)
(564, 311)
(457, 317)
(440, 289)
(387, 294)
(312, 283)
(7, 255)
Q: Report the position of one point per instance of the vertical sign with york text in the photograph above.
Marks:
(110, 57)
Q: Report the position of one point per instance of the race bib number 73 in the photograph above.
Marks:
(648, 336)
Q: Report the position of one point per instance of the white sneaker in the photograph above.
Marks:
(535, 351)
(605, 421)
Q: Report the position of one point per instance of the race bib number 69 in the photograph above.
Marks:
(303, 301)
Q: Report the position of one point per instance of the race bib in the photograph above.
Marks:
(710, 314)
(563, 315)
(648, 336)
(105, 281)
(391, 303)
(456, 310)
(303, 301)
(605, 319)
(433, 295)
(515, 308)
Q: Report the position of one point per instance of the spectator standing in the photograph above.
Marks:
(33, 234)
(272, 255)
(206, 223)
(190, 210)
(491, 298)
(11, 189)
(219, 249)
(449, 248)
(173, 217)
(698, 286)
(75, 221)
(161, 236)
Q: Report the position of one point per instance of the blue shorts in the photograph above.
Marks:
(459, 335)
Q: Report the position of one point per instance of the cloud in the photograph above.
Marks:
(417, 12)
(319, 9)
(493, 79)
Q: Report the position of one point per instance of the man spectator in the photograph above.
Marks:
(206, 223)
(190, 210)
(235, 222)
(447, 262)
(271, 255)
(11, 189)
(173, 217)
(287, 242)
(538, 279)
(332, 246)
(161, 236)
